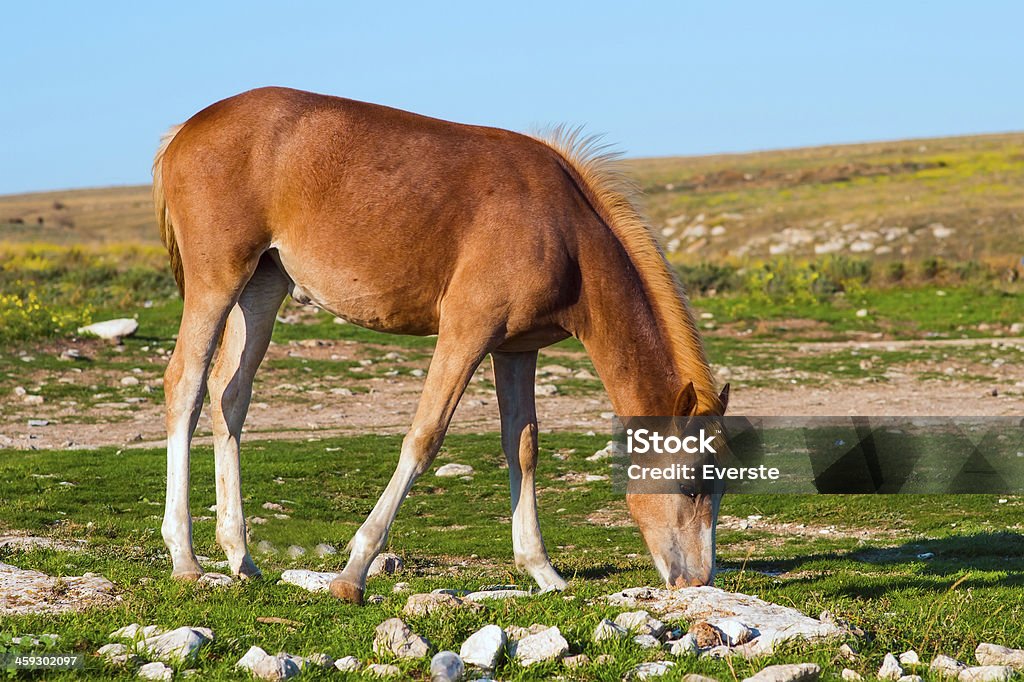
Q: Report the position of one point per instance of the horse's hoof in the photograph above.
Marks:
(248, 571)
(346, 591)
(186, 576)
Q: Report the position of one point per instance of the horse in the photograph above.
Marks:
(497, 242)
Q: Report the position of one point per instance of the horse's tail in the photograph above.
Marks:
(163, 217)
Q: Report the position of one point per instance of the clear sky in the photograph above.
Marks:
(87, 87)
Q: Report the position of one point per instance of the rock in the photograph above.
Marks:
(890, 669)
(267, 667)
(613, 449)
(641, 623)
(308, 580)
(851, 675)
(846, 651)
(383, 670)
(484, 647)
(684, 646)
(156, 671)
(734, 632)
(694, 677)
(452, 469)
(33, 592)
(994, 654)
(986, 673)
(294, 551)
(398, 588)
(773, 623)
(720, 651)
(607, 629)
(577, 661)
(215, 580)
(646, 671)
(385, 563)
(38, 422)
(545, 389)
(348, 664)
(944, 666)
(266, 547)
(323, 550)
(176, 645)
(646, 641)
(516, 633)
(117, 653)
(136, 632)
(322, 661)
(129, 381)
(910, 658)
(483, 595)
(910, 678)
(706, 635)
(548, 645)
(425, 604)
(375, 599)
(787, 672)
(446, 666)
(111, 330)
(395, 638)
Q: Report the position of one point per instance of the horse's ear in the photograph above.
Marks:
(723, 397)
(686, 402)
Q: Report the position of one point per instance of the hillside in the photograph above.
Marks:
(959, 198)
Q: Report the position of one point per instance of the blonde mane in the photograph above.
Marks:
(611, 193)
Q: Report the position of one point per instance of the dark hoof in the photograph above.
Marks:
(346, 591)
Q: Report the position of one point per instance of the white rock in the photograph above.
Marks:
(348, 664)
(684, 646)
(851, 675)
(548, 645)
(385, 563)
(890, 669)
(215, 580)
(135, 631)
(426, 603)
(484, 595)
(787, 672)
(383, 670)
(111, 329)
(176, 645)
(398, 588)
(395, 638)
(994, 654)
(156, 671)
(613, 449)
(452, 469)
(116, 653)
(446, 666)
(324, 549)
(484, 647)
(267, 667)
(641, 623)
(294, 551)
(646, 641)
(944, 666)
(308, 580)
(986, 673)
(607, 629)
(910, 678)
(322, 661)
(129, 381)
(32, 592)
(646, 671)
(736, 633)
(910, 658)
(545, 389)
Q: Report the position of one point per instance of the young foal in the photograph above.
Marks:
(498, 243)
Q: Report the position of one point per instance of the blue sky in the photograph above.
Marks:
(88, 87)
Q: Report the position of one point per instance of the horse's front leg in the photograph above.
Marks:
(456, 357)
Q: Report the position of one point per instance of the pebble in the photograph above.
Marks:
(787, 672)
(215, 580)
(314, 581)
(607, 629)
(646, 641)
(484, 647)
(383, 670)
(446, 666)
(111, 330)
(156, 671)
(994, 654)
(483, 595)
(348, 664)
(736, 633)
(646, 671)
(986, 673)
(706, 634)
(910, 658)
(944, 666)
(129, 381)
(323, 550)
(116, 653)
(452, 469)
(851, 675)
(548, 645)
(545, 390)
(910, 678)
(890, 669)
(399, 588)
(577, 661)
(394, 637)
(427, 603)
(641, 623)
(385, 563)
(267, 667)
(294, 551)
(684, 646)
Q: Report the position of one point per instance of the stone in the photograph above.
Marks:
(910, 678)
(986, 673)
(294, 551)
(646, 671)
(177, 645)
(516, 633)
(383, 670)
(313, 581)
(385, 563)
(944, 666)
(646, 641)
(484, 647)
(577, 661)
(215, 580)
(910, 658)
(640, 623)
(787, 672)
(607, 629)
(994, 654)
(395, 638)
(348, 664)
(548, 645)
(324, 549)
(30, 592)
(452, 469)
(772, 623)
(734, 632)
(111, 330)
(706, 635)
(398, 588)
(890, 669)
(846, 651)
(612, 449)
(694, 677)
(446, 666)
(155, 671)
(427, 603)
(135, 632)
(117, 653)
(851, 675)
(322, 661)
(266, 667)
(129, 381)
(684, 646)
(483, 595)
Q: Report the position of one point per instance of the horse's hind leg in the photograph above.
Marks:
(242, 347)
(514, 375)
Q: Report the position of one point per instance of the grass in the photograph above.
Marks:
(454, 533)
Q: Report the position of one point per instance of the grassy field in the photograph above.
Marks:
(854, 556)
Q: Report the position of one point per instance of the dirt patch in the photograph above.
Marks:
(24, 591)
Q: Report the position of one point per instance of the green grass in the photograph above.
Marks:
(454, 533)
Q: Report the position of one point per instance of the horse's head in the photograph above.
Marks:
(677, 518)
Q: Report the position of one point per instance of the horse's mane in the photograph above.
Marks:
(611, 193)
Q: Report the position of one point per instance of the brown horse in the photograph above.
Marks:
(499, 243)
